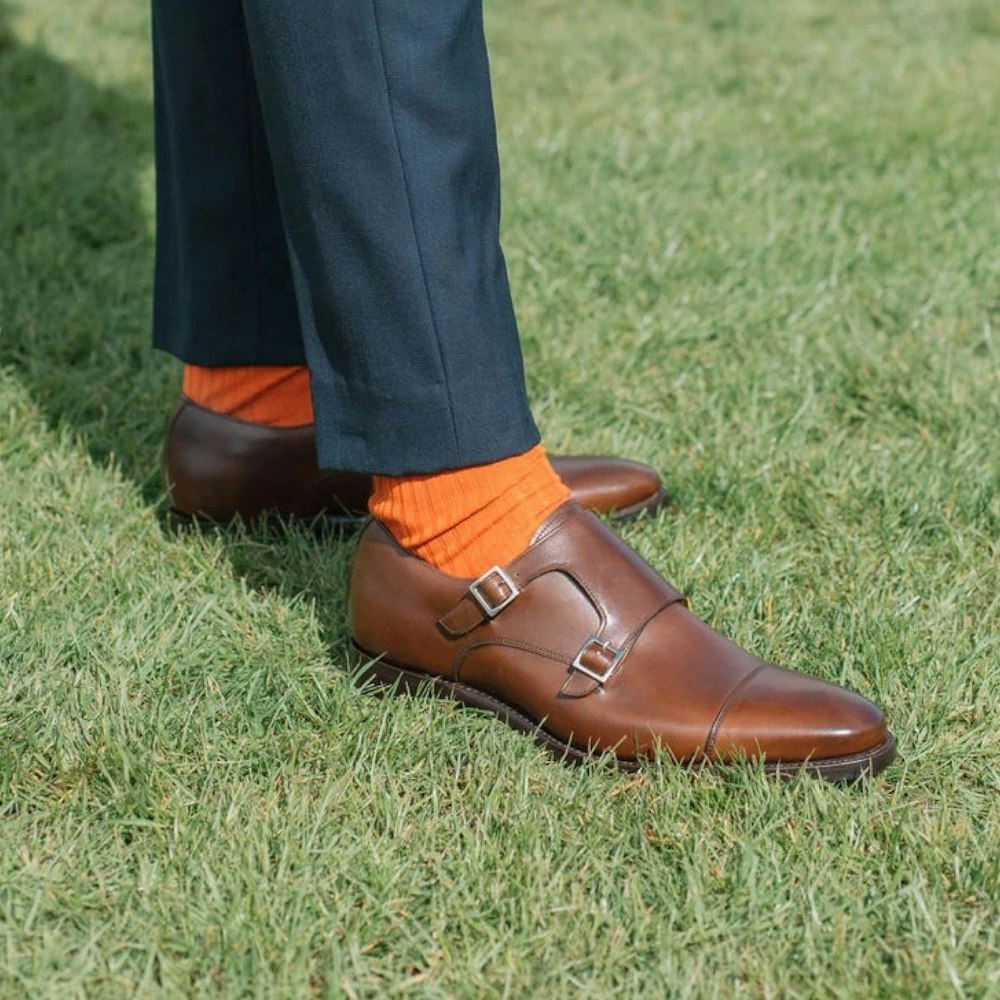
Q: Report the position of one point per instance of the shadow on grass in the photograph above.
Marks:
(77, 256)
(76, 242)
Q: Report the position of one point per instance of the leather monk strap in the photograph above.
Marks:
(580, 642)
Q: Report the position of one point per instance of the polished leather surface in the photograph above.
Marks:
(671, 681)
(609, 485)
(219, 468)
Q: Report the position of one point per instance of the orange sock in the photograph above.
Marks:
(465, 521)
(276, 395)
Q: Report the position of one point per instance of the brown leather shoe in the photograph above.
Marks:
(581, 643)
(218, 468)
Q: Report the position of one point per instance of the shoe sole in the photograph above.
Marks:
(399, 680)
(320, 524)
(348, 522)
(644, 508)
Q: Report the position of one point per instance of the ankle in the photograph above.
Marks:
(464, 521)
(275, 395)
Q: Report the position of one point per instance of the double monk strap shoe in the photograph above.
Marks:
(217, 468)
(580, 643)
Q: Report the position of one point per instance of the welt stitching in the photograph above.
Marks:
(724, 707)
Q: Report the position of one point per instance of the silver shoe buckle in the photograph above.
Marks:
(492, 608)
(603, 647)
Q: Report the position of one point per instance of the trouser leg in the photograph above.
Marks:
(223, 287)
(380, 123)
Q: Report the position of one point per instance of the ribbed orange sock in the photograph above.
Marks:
(462, 521)
(467, 520)
(276, 395)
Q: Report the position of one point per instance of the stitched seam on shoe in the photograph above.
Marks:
(713, 732)
(549, 654)
(555, 523)
(525, 647)
(504, 711)
(567, 570)
(168, 484)
(184, 404)
(413, 225)
(634, 635)
(627, 645)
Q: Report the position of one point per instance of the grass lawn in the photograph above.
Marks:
(755, 244)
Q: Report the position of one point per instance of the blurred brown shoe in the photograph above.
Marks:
(217, 468)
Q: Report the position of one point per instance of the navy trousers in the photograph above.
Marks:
(328, 193)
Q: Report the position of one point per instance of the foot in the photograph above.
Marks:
(580, 643)
(218, 468)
